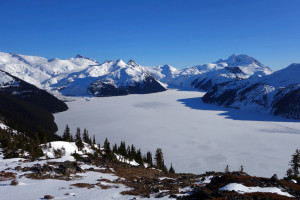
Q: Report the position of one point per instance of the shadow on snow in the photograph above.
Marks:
(231, 113)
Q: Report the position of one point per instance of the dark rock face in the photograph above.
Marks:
(204, 84)
(234, 70)
(148, 85)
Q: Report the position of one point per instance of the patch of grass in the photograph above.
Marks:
(83, 185)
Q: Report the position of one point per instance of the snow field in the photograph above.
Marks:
(194, 136)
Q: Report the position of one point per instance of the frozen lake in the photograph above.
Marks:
(195, 137)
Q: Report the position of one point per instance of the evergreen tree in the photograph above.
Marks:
(171, 170)
(289, 173)
(35, 150)
(115, 148)
(122, 149)
(86, 137)
(67, 135)
(128, 152)
(78, 140)
(159, 159)
(108, 153)
(42, 134)
(71, 138)
(132, 152)
(149, 158)
(295, 164)
(94, 140)
(138, 157)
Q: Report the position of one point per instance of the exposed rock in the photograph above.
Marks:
(48, 197)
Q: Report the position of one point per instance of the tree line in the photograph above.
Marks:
(109, 152)
(17, 144)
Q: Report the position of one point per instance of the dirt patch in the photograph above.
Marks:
(4, 176)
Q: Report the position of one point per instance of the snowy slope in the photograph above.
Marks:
(109, 79)
(36, 70)
(243, 189)
(277, 93)
(205, 76)
(7, 81)
(80, 75)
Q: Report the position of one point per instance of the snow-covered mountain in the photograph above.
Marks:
(205, 76)
(110, 78)
(278, 93)
(37, 70)
(80, 75)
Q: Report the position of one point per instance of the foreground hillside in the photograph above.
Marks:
(86, 176)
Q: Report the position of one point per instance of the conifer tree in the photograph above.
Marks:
(132, 152)
(42, 134)
(36, 150)
(171, 170)
(122, 149)
(108, 153)
(128, 152)
(295, 164)
(85, 136)
(149, 158)
(94, 140)
(78, 140)
(159, 159)
(67, 135)
(71, 138)
(115, 148)
(138, 157)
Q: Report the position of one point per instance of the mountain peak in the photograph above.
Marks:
(120, 62)
(236, 60)
(79, 56)
(132, 63)
(83, 57)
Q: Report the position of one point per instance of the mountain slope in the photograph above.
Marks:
(81, 76)
(204, 77)
(37, 70)
(24, 107)
(111, 78)
(278, 93)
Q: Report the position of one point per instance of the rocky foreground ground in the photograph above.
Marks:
(141, 182)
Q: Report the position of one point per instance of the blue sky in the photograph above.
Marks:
(181, 33)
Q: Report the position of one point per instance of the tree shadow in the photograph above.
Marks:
(231, 113)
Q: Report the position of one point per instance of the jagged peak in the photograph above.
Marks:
(83, 57)
(79, 56)
(132, 63)
(120, 62)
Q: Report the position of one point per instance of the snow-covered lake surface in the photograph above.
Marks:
(195, 137)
